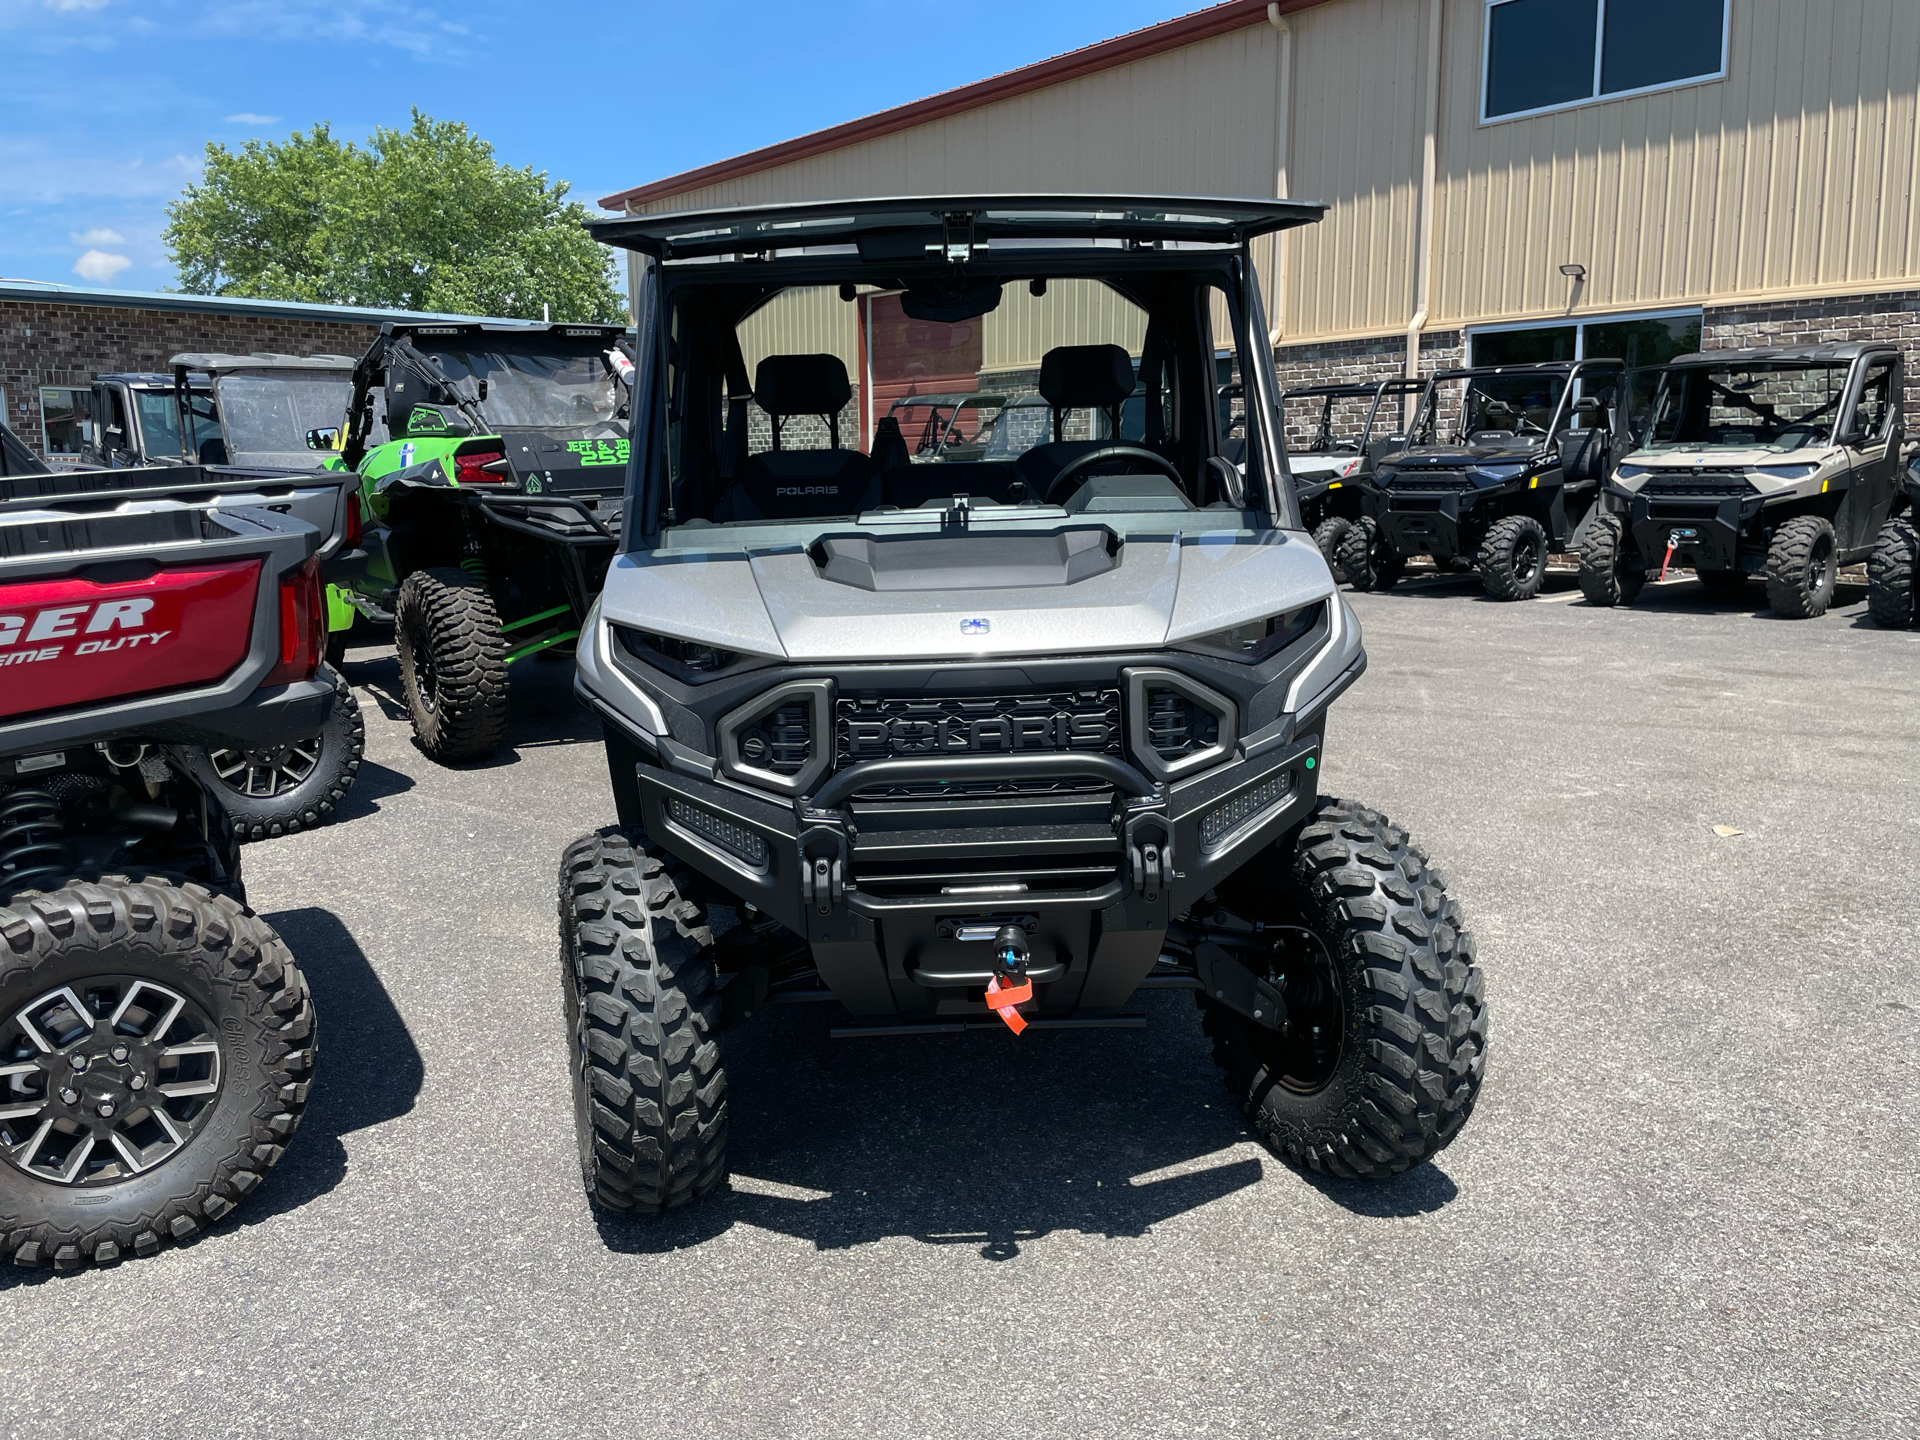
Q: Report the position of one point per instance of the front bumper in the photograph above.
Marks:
(1704, 531)
(881, 890)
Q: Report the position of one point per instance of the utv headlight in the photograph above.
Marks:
(1499, 474)
(692, 661)
(1630, 472)
(1253, 641)
(1786, 472)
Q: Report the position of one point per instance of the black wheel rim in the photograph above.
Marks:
(425, 682)
(104, 1079)
(1526, 560)
(1820, 568)
(264, 774)
(1303, 1055)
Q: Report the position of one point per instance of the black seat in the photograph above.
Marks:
(1076, 377)
(781, 484)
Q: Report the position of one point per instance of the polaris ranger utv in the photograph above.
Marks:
(156, 1037)
(1893, 573)
(993, 742)
(492, 460)
(1526, 450)
(1777, 462)
(1338, 455)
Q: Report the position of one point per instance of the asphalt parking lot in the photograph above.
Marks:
(1686, 1205)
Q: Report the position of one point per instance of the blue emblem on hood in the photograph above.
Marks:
(975, 627)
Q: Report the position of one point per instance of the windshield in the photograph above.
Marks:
(270, 414)
(159, 421)
(1766, 405)
(1041, 393)
(1489, 406)
(549, 392)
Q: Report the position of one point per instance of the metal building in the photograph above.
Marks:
(1508, 179)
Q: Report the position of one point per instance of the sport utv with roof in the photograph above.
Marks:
(1501, 468)
(1781, 462)
(1337, 457)
(993, 742)
(492, 460)
(157, 1038)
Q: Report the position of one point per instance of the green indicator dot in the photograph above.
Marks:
(1309, 762)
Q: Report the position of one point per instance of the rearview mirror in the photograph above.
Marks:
(327, 437)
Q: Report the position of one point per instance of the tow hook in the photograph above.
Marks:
(1675, 540)
(1010, 986)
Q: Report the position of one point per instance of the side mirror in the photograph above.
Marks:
(1853, 436)
(1228, 480)
(327, 437)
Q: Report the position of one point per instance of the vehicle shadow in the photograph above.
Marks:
(373, 783)
(370, 1071)
(982, 1140)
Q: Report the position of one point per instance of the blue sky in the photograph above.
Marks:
(106, 106)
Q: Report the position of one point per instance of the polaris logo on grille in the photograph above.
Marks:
(975, 627)
(992, 735)
(806, 490)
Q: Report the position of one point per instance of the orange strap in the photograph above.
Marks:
(1671, 547)
(1001, 999)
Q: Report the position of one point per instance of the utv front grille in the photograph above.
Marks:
(1178, 725)
(1708, 485)
(1054, 722)
(1447, 482)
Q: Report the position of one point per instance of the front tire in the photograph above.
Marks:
(1892, 573)
(643, 1021)
(284, 789)
(156, 1051)
(1327, 535)
(1513, 558)
(453, 664)
(1400, 988)
(1802, 568)
(1611, 571)
(1368, 559)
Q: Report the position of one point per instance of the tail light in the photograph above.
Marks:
(303, 626)
(356, 524)
(471, 469)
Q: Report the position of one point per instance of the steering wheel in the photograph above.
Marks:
(1105, 455)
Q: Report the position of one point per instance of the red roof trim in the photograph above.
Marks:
(1106, 55)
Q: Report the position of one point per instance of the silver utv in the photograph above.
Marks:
(1779, 463)
(988, 742)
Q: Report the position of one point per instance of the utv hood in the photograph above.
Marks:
(1076, 590)
(1461, 457)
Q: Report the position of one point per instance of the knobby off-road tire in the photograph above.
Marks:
(284, 789)
(453, 664)
(1893, 571)
(1366, 558)
(643, 1021)
(1802, 568)
(148, 941)
(1611, 572)
(1327, 535)
(1513, 558)
(1412, 1002)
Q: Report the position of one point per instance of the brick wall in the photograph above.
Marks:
(1355, 362)
(47, 343)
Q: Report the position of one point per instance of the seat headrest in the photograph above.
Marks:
(801, 385)
(1074, 377)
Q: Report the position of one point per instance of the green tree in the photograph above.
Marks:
(418, 219)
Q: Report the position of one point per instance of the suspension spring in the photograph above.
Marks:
(476, 566)
(32, 835)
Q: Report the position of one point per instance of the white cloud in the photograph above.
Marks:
(102, 236)
(100, 267)
(247, 117)
(67, 7)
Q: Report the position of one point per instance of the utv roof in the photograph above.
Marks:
(916, 221)
(213, 364)
(1543, 367)
(152, 377)
(958, 397)
(1314, 392)
(564, 329)
(1839, 352)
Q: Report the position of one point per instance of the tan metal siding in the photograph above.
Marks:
(1793, 174)
(1073, 312)
(813, 321)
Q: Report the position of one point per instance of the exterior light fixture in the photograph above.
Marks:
(1574, 272)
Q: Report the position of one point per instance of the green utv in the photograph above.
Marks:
(493, 463)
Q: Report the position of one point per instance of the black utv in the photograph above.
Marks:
(1355, 424)
(1782, 463)
(1502, 467)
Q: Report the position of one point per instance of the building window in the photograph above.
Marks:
(1640, 340)
(1548, 54)
(66, 412)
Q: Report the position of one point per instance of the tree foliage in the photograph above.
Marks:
(418, 219)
